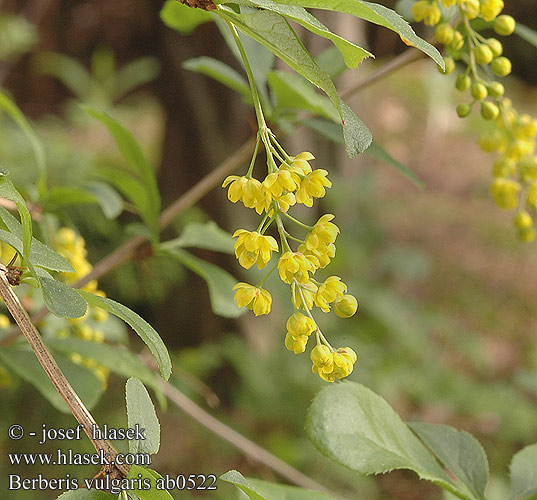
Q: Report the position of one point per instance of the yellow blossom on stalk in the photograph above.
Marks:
(279, 183)
(295, 343)
(449, 3)
(426, 11)
(285, 201)
(505, 192)
(299, 328)
(490, 9)
(344, 359)
(248, 190)
(323, 362)
(295, 265)
(307, 291)
(346, 306)
(312, 186)
(331, 290)
(254, 298)
(319, 242)
(253, 248)
(301, 160)
(470, 7)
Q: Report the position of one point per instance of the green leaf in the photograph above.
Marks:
(526, 33)
(8, 191)
(118, 359)
(460, 452)
(18, 117)
(150, 476)
(294, 92)
(140, 169)
(22, 361)
(40, 255)
(352, 54)
(357, 428)
(236, 478)
(134, 74)
(85, 494)
(273, 31)
(257, 489)
(333, 133)
(220, 282)
(95, 192)
(146, 332)
(184, 19)
(217, 70)
(202, 235)
(377, 14)
(524, 474)
(141, 412)
(60, 299)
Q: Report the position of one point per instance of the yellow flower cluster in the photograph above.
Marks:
(73, 248)
(512, 136)
(294, 181)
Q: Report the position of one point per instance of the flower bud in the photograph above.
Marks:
(496, 47)
(523, 220)
(489, 110)
(501, 66)
(483, 54)
(478, 91)
(346, 306)
(444, 33)
(321, 355)
(463, 82)
(526, 235)
(463, 110)
(495, 89)
(457, 42)
(449, 66)
(504, 25)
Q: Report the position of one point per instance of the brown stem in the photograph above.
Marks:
(77, 407)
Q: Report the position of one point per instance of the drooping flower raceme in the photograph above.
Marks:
(294, 181)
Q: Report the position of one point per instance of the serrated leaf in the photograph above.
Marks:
(526, 33)
(275, 33)
(377, 14)
(352, 54)
(139, 167)
(333, 132)
(202, 235)
(222, 73)
(87, 494)
(523, 473)
(141, 413)
(151, 476)
(117, 359)
(60, 299)
(8, 191)
(352, 425)
(459, 451)
(294, 92)
(220, 282)
(146, 332)
(18, 117)
(182, 18)
(22, 361)
(256, 488)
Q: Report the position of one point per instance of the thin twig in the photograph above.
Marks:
(77, 407)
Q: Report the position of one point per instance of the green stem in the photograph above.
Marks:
(291, 237)
(255, 95)
(254, 156)
(296, 221)
(261, 225)
(260, 284)
(281, 230)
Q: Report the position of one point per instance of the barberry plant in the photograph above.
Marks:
(511, 135)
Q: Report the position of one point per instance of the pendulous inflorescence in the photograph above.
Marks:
(511, 135)
(293, 182)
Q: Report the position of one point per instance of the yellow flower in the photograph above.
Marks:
(252, 248)
(295, 265)
(301, 160)
(344, 359)
(256, 299)
(331, 290)
(296, 343)
(323, 232)
(279, 182)
(490, 9)
(304, 290)
(285, 201)
(449, 3)
(247, 190)
(4, 322)
(298, 325)
(312, 186)
(505, 192)
(331, 364)
(470, 7)
(346, 306)
(426, 11)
